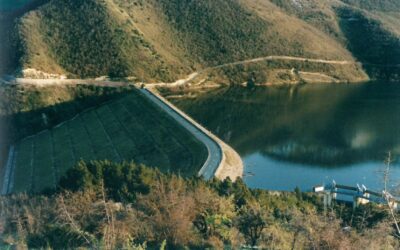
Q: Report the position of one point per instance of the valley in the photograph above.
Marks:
(154, 43)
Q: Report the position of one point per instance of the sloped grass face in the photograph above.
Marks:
(129, 128)
(23, 167)
(28, 109)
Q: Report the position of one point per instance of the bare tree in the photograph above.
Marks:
(388, 197)
(109, 230)
(169, 211)
(72, 222)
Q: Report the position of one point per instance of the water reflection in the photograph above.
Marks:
(332, 128)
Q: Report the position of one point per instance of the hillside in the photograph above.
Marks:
(385, 5)
(381, 54)
(10, 12)
(99, 164)
(98, 207)
(168, 39)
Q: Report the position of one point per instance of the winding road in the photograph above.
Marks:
(289, 58)
(253, 60)
(44, 82)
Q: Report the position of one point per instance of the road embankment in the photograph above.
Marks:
(222, 161)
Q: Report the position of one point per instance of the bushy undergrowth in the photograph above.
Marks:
(127, 206)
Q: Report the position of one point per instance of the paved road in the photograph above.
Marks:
(214, 150)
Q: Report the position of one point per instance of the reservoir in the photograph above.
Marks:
(304, 135)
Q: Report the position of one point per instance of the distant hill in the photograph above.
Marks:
(165, 40)
(381, 5)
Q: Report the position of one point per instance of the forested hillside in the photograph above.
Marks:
(217, 31)
(84, 39)
(166, 40)
(127, 206)
(382, 5)
(371, 44)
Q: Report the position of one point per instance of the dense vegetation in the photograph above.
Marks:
(94, 56)
(107, 205)
(212, 31)
(377, 48)
(10, 11)
(163, 40)
(381, 5)
(85, 40)
(283, 72)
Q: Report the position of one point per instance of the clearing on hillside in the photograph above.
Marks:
(125, 129)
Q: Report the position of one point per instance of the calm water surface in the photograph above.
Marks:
(9, 5)
(306, 135)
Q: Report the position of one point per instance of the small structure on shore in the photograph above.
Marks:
(360, 195)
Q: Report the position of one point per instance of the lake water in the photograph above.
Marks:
(9, 5)
(306, 135)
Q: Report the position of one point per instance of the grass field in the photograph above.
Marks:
(125, 129)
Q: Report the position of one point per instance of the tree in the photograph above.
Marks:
(217, 225)
(251, 223)
(169, 210)
(241, 192)
(122, 181)
(77, 178)
(387, 195)
(251, 81)
(298, 193)
(226, 187)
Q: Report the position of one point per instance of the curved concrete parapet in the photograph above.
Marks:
(222, 160)
(9, 172)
